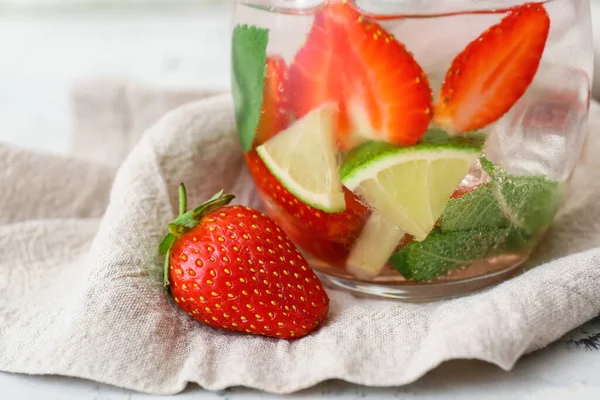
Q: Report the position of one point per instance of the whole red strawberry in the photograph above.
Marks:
(232, 267)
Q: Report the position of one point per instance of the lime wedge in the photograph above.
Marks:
(410, 186)
(372, 249)
(304, 159)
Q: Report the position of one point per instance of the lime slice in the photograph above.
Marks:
(372, 249)
(410, 186)
(304, 159)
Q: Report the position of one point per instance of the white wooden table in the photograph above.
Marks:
(43, 55)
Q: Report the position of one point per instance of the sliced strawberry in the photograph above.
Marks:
(273, 118)
(381, 91)
(314, 75)
(493, 71)
(328, 236)
(462, 190)
(386, 92)
(333, 250)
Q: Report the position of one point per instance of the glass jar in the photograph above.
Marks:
(412, 149)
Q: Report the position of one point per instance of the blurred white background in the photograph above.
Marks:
(48, 45)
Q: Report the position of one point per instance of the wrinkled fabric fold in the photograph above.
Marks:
(80, 279)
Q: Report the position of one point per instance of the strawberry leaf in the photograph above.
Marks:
(166, 243)
(188, 220)
(191, 218)
(179, 224)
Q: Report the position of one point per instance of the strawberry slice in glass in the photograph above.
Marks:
(381, 91)
(327, 236)
(493, 71)
(273, 116)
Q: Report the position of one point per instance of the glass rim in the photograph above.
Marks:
(382, 9)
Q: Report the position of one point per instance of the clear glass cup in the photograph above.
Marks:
(412, 149)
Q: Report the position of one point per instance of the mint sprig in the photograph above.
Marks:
(528, 203)
(506, 214)
(443, 252)
(249, 63)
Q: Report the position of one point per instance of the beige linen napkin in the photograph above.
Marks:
(80, 283)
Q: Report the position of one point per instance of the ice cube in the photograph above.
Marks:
(563, 15)
(544, 131)
(570, 38)
(476, 176)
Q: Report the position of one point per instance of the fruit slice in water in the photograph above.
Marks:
(304, 159)
(374, 246)
(493, 71)
(409, 185)
(381, 91)
(273, 118)
(249, 45)
(326, 236)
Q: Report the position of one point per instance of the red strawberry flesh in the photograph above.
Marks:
(493, 71)
(236, 269)
(327, 236)
(381, 91)
(273, 117)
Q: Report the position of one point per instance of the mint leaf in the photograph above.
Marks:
(400, 261)
(488, 167)
(437, 136)
(528, 203)
(478, 210)
(507, 214)
(443, 252)
(249, 60)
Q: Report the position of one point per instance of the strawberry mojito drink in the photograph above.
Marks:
(412, 150)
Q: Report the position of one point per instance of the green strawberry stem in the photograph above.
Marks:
(166, 281)
(186, 221)
(182, 199)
